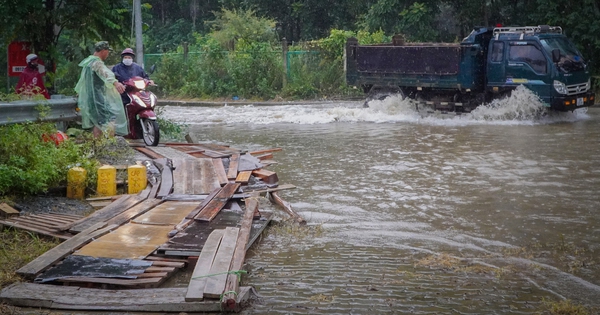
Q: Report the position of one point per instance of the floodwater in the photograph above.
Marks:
(485, 213)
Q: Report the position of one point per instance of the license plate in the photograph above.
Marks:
(579, 101)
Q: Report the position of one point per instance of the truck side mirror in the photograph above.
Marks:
(555, 55)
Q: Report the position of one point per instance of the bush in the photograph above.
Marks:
(30, 165)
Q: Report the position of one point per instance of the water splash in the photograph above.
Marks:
(523, 107)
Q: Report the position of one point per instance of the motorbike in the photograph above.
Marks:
(140, 111)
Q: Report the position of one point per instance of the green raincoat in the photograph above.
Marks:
(99, 101)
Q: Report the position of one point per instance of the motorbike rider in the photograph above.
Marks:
(127, 68)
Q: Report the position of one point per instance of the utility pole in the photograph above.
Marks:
(139, 46)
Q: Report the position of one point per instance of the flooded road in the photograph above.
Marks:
(485, 213)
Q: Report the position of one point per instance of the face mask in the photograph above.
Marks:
(128, 62)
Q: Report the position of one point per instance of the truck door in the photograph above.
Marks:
(495, 73)
(526, 64)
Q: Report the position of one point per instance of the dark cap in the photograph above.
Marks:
(103, 45)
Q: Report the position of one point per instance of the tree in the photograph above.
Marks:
(43, 22)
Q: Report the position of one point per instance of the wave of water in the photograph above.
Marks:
(523, 107)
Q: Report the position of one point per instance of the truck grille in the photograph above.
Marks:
(577, 88)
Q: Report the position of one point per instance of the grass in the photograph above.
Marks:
(563, 307)
(17, 249)
(289, 229)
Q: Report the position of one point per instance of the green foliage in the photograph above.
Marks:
(416, 23)
(170, 130)
(29, 165)
(232, 26)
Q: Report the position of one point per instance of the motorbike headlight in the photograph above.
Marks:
(140, 84)
(138, 100)
(560, 87)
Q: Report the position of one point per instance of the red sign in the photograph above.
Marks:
(17, 54)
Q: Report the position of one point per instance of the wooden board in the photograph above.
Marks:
(45, 224)
(166, 177)
(266, 176)
(215, 284)
(220, 171)
(195, 291)
(168, 213)
(135, 211)
(233, 166)
(133, 241)
(217, 203)
(190, 242)
(7, 211)
(106, 213)
(63, 249)
(243, 177)
(194, 176)
(171, 300)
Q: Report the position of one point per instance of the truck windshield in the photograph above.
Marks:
(570, 57)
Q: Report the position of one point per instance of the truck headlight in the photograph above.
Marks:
(560, 87)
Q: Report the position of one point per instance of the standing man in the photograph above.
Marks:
(31, 81)
(99, 99)
(127, 69)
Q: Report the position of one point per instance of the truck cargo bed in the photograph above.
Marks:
(433, 60)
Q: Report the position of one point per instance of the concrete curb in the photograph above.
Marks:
(242, 103)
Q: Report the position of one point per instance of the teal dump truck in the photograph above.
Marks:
(488, 64)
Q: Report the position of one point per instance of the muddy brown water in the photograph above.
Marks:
(488, 213)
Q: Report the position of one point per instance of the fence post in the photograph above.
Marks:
(284, 49)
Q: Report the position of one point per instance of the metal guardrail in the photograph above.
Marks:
(62, 109)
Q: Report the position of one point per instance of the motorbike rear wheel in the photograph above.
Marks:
(150, 131)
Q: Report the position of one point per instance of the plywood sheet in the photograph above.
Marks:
(133, 241)
(168, 213)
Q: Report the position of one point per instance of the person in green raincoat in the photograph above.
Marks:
(99, 97)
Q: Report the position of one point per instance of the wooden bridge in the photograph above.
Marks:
(200, 214)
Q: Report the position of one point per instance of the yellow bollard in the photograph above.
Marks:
(137, 179)
(76, 177)
(107, 180)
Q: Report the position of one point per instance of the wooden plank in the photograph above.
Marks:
(166, 177)
(195, 289)
(229, 300)
(204, 176)
(63, 249)
(106, 213)
(34, 229)
(287, 207)
(259, 152)
(203, 204)
(190, 217)
(135, 211)
(217, 203)
(233, 166)
(243, 177)
(266, 176)
(267, 156)
(220, 170)
(145, 282)
(165, 300)
(149, 153)
(173, 264)
(215, 285)
(7, 211)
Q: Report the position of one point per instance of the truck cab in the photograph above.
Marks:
(542, 59)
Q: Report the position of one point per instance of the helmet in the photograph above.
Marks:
(128, 51)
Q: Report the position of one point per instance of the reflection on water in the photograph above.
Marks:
(516, 194)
